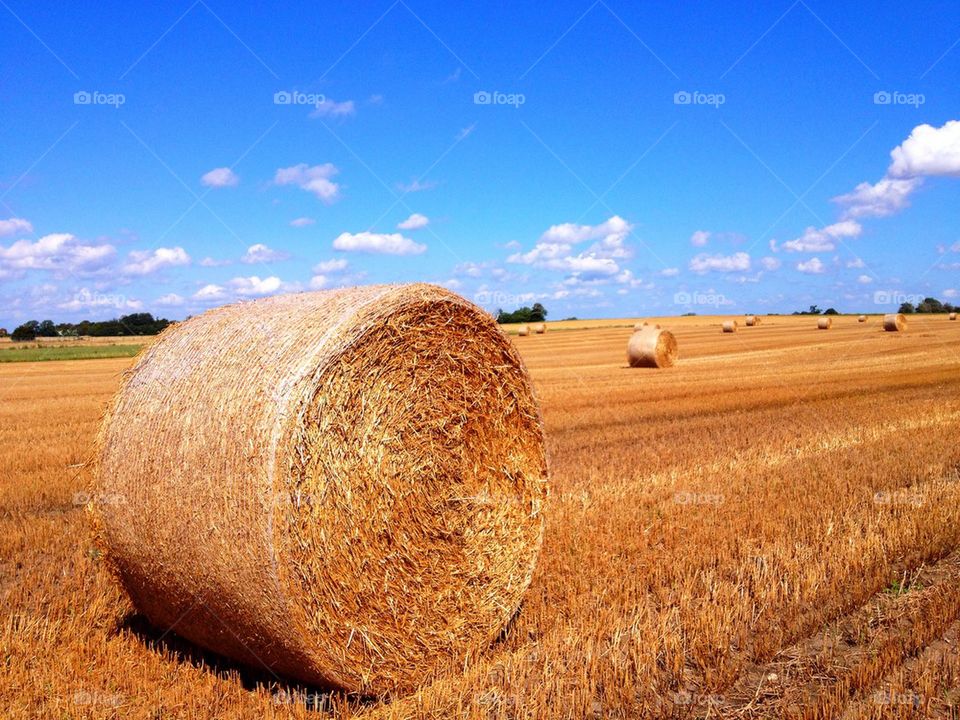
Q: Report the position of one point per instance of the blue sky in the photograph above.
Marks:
(605, 159)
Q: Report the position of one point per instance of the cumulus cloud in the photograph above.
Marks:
(886, 197)
(704, 263)
(670, 272)
(700, 238)
(220, 177)
(381, 243)
(554, 249)
(211, 262)
(813, 266)
(302, 222)
(169, 300)
(332, 108)
(210, 293)
(260, 253)
(254, 286)
(769, 263)
(823, 239)
(330, 266)
(864, 279)
(145, 262)
(314, 179)
(14, 225)
(60, 253)
(414, 222)
(928, 151)
(856, 263)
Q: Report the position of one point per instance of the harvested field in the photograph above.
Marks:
(812, 572)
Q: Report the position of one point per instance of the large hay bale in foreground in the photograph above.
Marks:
(730, 326)
(523, 331)
(345, 486)
(651, 346)
(895, 322)
(824, 323)
(862, 318)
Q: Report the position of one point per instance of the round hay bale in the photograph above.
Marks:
(952, 316)
(345, 487)
(862, 318)
(540, 328)
(523, 331)
(824, 323)
(751, 320)
(652, 347)
(730, 326)
(895, 322)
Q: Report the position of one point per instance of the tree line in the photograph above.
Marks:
(135, 324)
(537, 313)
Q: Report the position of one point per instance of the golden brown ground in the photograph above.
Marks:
(768, 529)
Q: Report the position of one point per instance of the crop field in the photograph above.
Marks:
(770, 528)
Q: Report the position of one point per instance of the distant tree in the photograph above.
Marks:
(814, 310)
(538, 313)
(27, 331)
(830, 311)
(47, 329)
(907, 309)
(930, 305)
(3, 332)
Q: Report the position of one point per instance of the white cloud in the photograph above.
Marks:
(822, 240)
(14, 225)
(253, 286)
(704, 263)
(169, 300)
(260, 253)
(813, 266)
(144, 262)
(699, 238)
(414, 222)
(416, 185)
(210, 292)
(670, 272)
(886, 197)
(769, 263)
(928, 151)
(220, 177)
(58, 252)
(302, 222)
(330, 266)
(314, 179)
(554, 249)
(951, 293)
(864, 279)
(856, 263)
(387, 244)
(210, 262)
(318, 282)
(332, 108)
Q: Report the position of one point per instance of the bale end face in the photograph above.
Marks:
(540, 329)
(523, 331)
(952, 316)
(751, 320)
(824, 323)
(730, 326)
(895, 322)
(356, 503)
(652, 347)
(862, 318)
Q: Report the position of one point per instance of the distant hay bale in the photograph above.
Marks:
(523, 331)
(952, 316)
(345, 486)
(824, 323)
(895, 322)
(540, 328)
(730, 326)
(862, 318)
(751, 320)
(652, 346)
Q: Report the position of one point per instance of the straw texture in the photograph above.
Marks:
(862, 318)
(345, 486)
(824, 323)
(895, 322)
(730, 326)
(652, 347)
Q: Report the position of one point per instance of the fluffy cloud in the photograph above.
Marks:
(211, 262)
(253, 286)
(770, 263)
(699, 238)
(260, 253)
(864, 279)
(414, 222)
(813, 266)
(60, 253)
(220, 177)
(886, 197)
(332, 108)
(383, 243)
(210, 293)
(554, 249)
(704, 263)
(670, 272)
(416, 185)
(928, 151)
(169, 300)
(314, 179)
(302, 222)
(330, 266)
(145, 262)
(822, 240)
(856, 263)
(14, 225)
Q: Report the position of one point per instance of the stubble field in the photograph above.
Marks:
(769, 529)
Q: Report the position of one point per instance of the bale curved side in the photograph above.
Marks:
(862, 318)
(952, 316)
(652, 347)
(750, 320)
(730, 326)
(540, 328)
(824, 323)
(895, 322)
(523, 331)
(344, 487)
